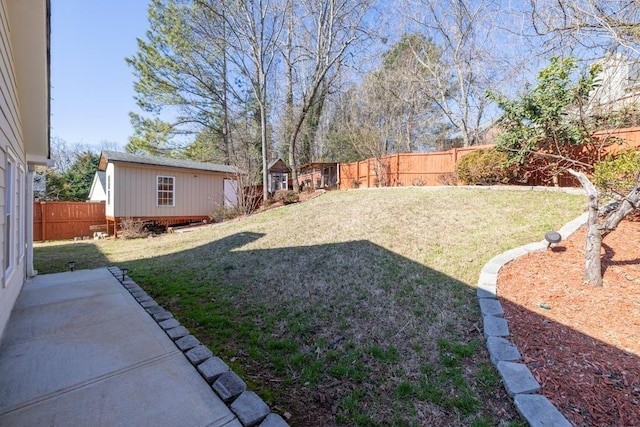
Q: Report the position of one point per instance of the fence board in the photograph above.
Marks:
(66, 220)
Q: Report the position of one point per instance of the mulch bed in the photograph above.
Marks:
(582, 343)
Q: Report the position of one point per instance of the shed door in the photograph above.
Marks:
(230, 192)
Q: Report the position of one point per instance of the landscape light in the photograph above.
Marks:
(71, 265)
(552, 237)
(125, 271)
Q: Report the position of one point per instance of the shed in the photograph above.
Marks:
(97, 192)
(278, 175)
(162, 190)
(319, 175)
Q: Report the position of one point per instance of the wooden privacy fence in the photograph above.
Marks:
(404, 169)
(66, 220)
(437, 168)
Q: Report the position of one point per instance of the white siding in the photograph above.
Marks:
(110, 183)
(11, 146)
(197, 193)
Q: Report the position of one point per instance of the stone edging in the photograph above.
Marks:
(516, 377)
(249, 408)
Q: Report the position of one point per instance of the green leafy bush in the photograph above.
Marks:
(619, 173)
(484, 167)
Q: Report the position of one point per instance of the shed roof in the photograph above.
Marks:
(116, 156)
(102, 177)
(278, 166)
(316, 165)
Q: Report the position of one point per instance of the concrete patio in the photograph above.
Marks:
(79, 351)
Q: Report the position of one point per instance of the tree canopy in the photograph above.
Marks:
(548, 121)
(72, 182)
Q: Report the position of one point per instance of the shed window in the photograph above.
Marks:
(165, 193)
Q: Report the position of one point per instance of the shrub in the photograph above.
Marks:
(419, 182)
(287, 196)
(225, 213)
(484, 167)
(132, 229)
(356, 183)
(448, 178)
(617, 174)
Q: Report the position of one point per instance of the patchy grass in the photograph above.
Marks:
(355, 308)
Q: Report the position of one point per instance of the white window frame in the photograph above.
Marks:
(22, 203)
(10, 217)
(172, 191)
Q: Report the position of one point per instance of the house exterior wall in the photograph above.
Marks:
(619, 84)
(196, 193)
(97, 192)
(12, 174)
(108, 182)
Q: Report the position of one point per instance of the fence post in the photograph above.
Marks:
(455, 157)
(43, 213)
(397, 168)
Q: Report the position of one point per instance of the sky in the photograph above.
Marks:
(91, 84)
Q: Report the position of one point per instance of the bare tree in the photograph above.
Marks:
(470, 63)
(253, 31)
(588, 23)
(318, 44)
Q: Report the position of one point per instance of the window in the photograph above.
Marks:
(108, 189)
(21, 205)
(9, 226)
(164, 194)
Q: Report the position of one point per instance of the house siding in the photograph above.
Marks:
(11, 147)
(196, 193)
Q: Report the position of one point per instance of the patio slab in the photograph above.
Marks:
(79, 350)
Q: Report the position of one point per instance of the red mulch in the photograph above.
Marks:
(582, 343)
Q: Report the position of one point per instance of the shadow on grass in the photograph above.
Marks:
(343, 333)
(348, 333)
(609, 393)
(54, 258)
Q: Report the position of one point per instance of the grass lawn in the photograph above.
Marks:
(353, 308)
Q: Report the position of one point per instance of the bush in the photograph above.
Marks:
(448, 178)
(484, 167)
(225, 213)
(132, 229)
(286, 196)
(617, 174)
(419, 182)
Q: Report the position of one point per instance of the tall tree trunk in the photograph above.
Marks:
(263, 140)
(225, 90)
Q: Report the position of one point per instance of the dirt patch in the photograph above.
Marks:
(582, 343)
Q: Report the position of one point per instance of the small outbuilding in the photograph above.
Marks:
(278, 174)
(163, 190)
(319, 175)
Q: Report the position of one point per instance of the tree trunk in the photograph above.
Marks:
(593, 244)
(225, 106)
